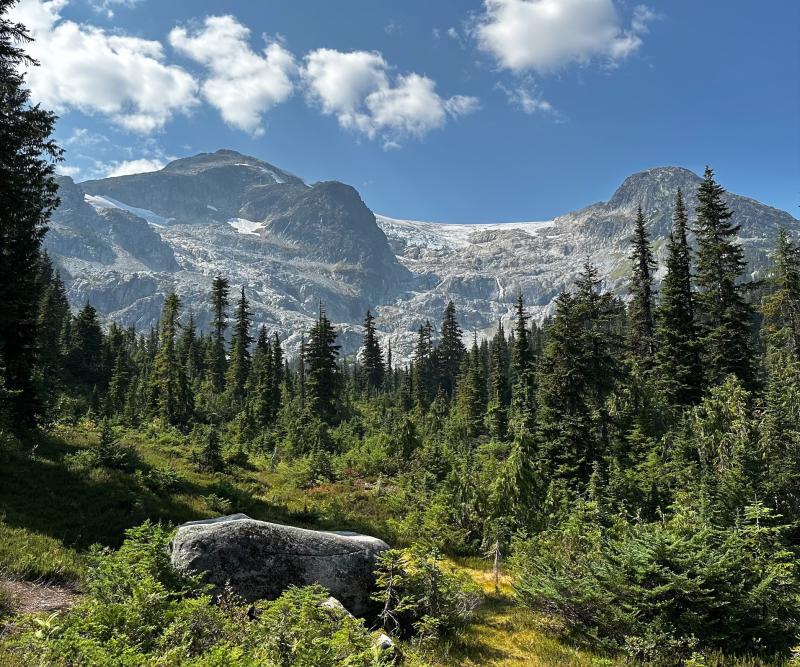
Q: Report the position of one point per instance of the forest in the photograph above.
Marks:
(628, 468)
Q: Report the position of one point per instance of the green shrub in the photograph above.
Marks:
(140, 611)
(662, 590)
(421, 596)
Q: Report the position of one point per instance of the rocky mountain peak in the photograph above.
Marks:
(652, 187)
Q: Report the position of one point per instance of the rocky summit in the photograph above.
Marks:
(123, 243)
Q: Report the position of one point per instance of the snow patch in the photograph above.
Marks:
(104, 202)
(274, 176)
(246, 226)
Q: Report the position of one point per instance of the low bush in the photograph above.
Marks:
(663, 591)
(140, 611)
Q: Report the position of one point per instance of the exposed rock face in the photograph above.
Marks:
(124, 243)
(260, 559)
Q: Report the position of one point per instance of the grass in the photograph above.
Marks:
(34, 557)
(52, 509)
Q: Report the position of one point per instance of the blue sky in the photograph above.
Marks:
(468, 111)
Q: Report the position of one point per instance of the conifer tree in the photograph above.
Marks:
(678, 373)
(781, 308)
(497, 409)
(260, 382)
(323, 379)
(118, 385)
(86, 347)
(371, 355)
(169, 381)
(422, 370)
(471, 395)
(190, 353)
(239, 367)
(640, 311)
(723, 315)
(580, 368)
(523, 402)
(278, 373)
(217, 362)
(27, 197)
(450, 351)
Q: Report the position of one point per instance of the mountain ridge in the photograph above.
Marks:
(124, 242)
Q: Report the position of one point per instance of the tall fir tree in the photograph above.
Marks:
(217, 362)
(451, 350)
(724, 317)
(169, 381)
(27, 197)
(523, 400)
(371, 355)
(239, 366)
(641, 308)
(678, 374)
(323, 381)
(422, 371)
(499, 390)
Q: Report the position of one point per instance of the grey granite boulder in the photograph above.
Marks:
(261, 559)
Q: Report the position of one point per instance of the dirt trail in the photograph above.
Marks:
(28, 597)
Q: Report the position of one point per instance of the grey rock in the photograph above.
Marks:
(335, 606)
(260, 559)
(384, 642)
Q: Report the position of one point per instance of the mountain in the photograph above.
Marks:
(123, 243)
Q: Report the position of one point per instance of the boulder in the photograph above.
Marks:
(260, 560)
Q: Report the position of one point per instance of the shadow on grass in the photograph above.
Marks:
(78, 507)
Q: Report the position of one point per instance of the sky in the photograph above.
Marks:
(458, 111)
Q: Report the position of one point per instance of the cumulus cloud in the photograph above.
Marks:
(241, 83)
(140, 166)
(86, 68)
(358, 89)
(545, 35)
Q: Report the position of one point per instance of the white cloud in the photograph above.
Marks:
(528, 98)
(242, 84)
(357, 88)
(544, 35)
(140, 166)
(107, 6)
(66, 170)
(86, 68)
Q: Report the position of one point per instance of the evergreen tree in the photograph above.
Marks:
(217, 362)
(323, 379)
(580, 368)
(27, 197)
(86, 348)
(371, 355)
(262, 382)
(723, 315)
(781, 308)
(450, 351)
(422, 370)
(239, 367)
(190, 353)
(169, 380)
(497, 409)
(640, 311)
(780, 425)
(523, 402)
(677, 364)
